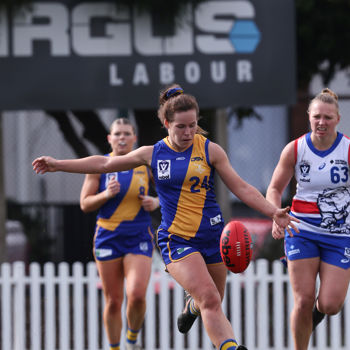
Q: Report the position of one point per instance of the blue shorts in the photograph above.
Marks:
(110, 245)
(332, 250)
(174, 248)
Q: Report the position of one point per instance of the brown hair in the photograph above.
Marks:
(326, 96)
(122, 121)
(172, 100)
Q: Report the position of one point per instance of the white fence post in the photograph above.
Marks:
(78, 308)
(19, 306)
(92, 310)
(262, 307)
(49, 304)
(6, 314)
(35, 306)
(64, 304)
(278, 312)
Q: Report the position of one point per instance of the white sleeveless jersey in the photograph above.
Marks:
(322, 199)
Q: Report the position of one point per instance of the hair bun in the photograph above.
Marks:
(173, 92)
(329, 92)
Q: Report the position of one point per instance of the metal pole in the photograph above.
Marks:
(3, 250)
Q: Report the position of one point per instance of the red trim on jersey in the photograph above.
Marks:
(348, 149)
(295, 151)
(299, 206)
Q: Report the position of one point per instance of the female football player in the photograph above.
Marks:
(183, 166)
(319, 161)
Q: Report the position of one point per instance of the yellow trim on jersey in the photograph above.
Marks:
(190, 205)
(150, 232)
(129, 207)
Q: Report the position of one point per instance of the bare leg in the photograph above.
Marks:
(137, 273)
(112, 277)
(334, 283)
(303, 279)
(200, 284)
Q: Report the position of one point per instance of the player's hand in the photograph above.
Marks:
(44, 164)
(113, 188)
(149, 203)
(277, 231)
(285, 221)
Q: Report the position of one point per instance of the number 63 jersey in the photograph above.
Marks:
(185, 187)
(322, 199)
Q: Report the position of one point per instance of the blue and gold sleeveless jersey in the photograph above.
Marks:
(125, 208)
(185, 187)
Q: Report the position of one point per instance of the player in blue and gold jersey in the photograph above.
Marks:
(183, 166)
(123, 243)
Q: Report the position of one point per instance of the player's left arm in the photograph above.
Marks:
(244, 191)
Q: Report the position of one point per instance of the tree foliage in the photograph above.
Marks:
(323, 34)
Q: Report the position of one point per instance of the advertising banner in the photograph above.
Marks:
(95, 54)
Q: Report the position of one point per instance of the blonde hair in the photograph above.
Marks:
(326, 96)
(172, 100)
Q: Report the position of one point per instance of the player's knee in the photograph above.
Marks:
(113, 304)
(211, 300)
(330, 308)
(304, 302)
(136, 298)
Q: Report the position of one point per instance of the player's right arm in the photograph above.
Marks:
(281, 177)
(95, 164)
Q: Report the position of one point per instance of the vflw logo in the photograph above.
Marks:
(163, 169)
(304, 168)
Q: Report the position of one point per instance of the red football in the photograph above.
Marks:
(236, 246)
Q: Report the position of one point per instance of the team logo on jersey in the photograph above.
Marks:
(111, 176)
(163, 169)
(304, 168)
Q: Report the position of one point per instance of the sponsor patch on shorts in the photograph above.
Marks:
(103, 253)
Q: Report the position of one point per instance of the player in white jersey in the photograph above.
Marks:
(319, 161)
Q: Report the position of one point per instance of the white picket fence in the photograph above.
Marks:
(59, 307)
